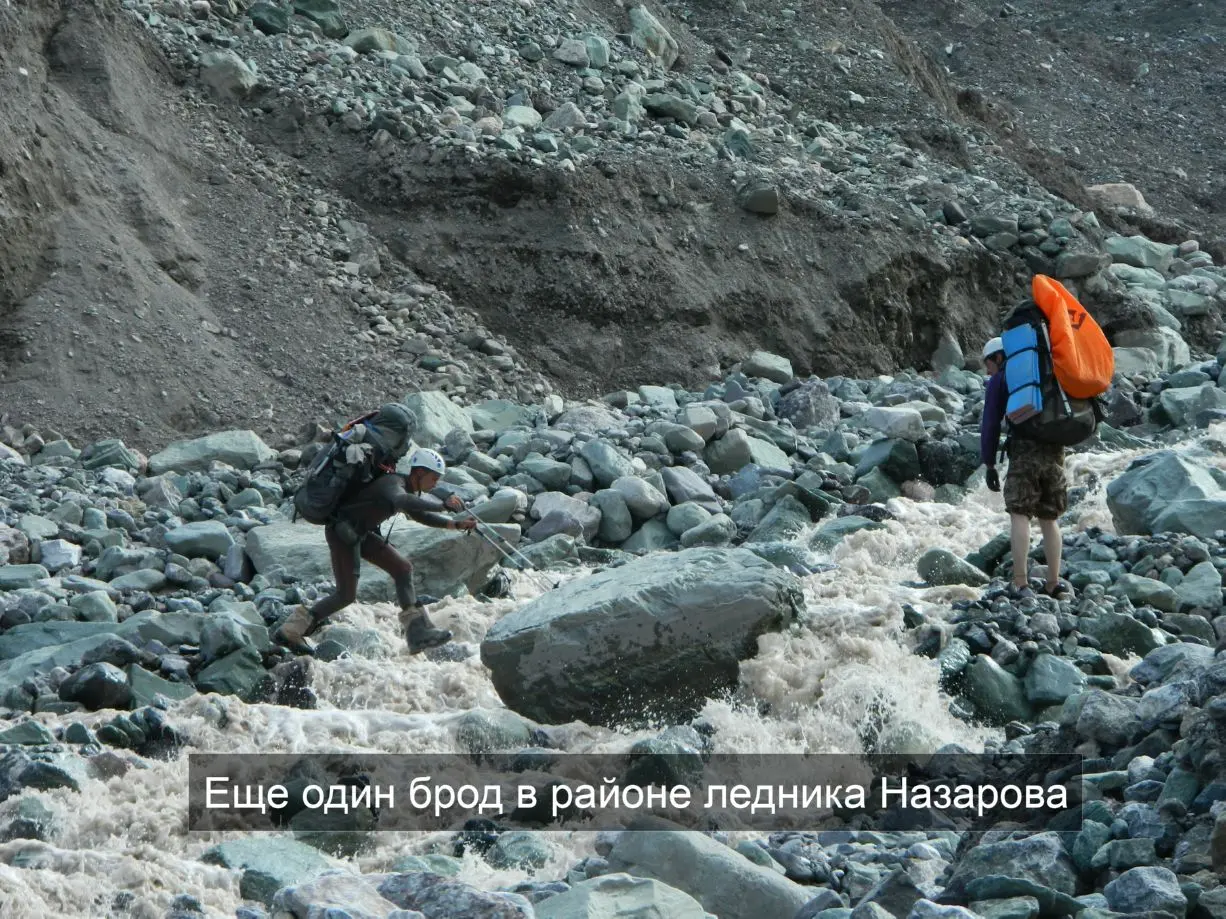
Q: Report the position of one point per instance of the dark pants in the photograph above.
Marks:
(346, 566)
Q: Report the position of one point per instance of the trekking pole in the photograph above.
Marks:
(494, 538)
(516, 563)
(498, 541)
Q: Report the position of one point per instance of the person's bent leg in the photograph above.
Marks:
(344, 573)
(400, 569)
(1019, 543)
(419, 632)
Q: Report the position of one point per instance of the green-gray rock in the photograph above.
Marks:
(1000, 886)
(1140, 252)
(669, 105)
(697, 612)
(18, 577)
(1165, 491)
(554, 475)
(897, 458)
(492, 731)
(1039, 859)
(1201, 589)
(269, 18)
(520, 849)
(616, 523)
(499, 415)
(1007, 908)
(773, 367)
(203, 539)
(148, 687)
(727, 454)
(607, 464)
(1102, 716)
(881, 488)
(146, 579)
(240, 673)
(95, 606)
(684, 517)
(941, 567)
(272, 862)
(28, 733)
(717, 530)
(988, 556)
(1121, 634)
(437, 416)
(718, 877)
(1181, 786)
(648, 34)
(1051, 679)
(109, 452)
(240, 449)
(1122, 854)
(345, 834)
(371, 41)
(34, 636)
(1092, 837)
(324, 13)
(1182, 406)
(36, 526)
(787, 520)
(652, 536)
(997, 695)
(620, 895)
(831, 533)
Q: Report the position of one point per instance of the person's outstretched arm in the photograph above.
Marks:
(425, 509)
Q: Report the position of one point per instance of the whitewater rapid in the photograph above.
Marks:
(818, 682)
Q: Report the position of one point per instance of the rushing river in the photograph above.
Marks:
(810, 688)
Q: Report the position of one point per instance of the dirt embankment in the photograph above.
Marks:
(144, 292)
(152, 284)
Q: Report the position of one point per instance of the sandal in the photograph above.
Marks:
(1019, 593)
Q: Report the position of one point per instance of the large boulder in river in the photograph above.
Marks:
(1167, 492)
(653, 637)
(445, 562)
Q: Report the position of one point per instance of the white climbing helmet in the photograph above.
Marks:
(994, 345)
(427, 459)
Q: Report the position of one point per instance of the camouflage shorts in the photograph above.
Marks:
(1035, 485)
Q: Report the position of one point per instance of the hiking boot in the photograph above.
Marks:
(293, 629)
(419, 632)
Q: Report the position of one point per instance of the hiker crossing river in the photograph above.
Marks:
(372, 492)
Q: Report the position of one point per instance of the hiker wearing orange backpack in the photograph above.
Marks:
(1035, 486)
(1048, 368)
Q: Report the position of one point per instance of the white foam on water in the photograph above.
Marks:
(840, 672)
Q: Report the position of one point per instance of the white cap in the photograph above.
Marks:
(992, 347)
(427, 459)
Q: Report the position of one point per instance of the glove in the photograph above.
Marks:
(993, 478)
(356, 454)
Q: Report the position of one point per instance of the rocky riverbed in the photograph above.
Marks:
(832, 536)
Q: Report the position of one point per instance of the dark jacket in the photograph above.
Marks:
(372, 504)
(994, 404)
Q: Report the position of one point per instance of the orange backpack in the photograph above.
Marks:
(1082, 359)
